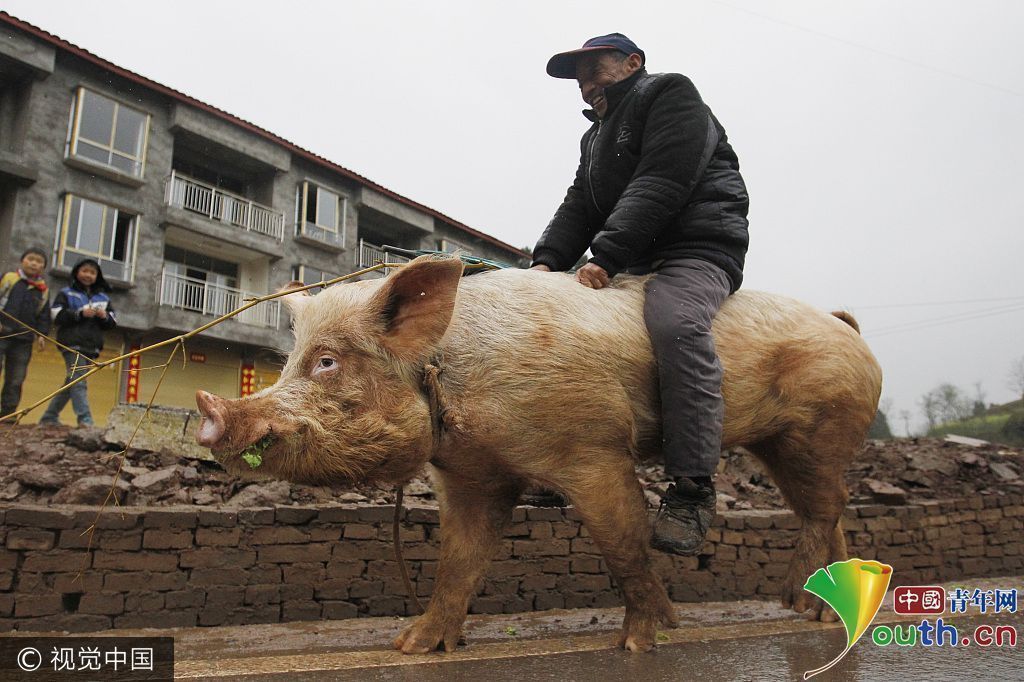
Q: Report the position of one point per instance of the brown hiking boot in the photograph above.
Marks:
(686, 512)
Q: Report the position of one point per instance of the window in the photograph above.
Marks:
(308, 275)
(90, 229)
(108, 133)
(320, 214)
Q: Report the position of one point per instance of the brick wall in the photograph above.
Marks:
(195, 566)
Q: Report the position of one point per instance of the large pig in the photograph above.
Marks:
(546, 382)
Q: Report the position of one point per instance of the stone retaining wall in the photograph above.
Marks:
(196, 566)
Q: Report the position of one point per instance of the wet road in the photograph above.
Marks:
(716, 641)
(720, 653)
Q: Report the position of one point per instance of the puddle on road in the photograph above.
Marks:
(778, 657)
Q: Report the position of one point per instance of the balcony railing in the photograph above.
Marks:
(216, 204)
(371, 254)
(322, 235)
(178, 291)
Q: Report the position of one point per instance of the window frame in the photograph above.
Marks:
(302, 208)
(64, 223)
(75, 136)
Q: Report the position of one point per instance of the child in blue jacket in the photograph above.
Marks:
(82, 313)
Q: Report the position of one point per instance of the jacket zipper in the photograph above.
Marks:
(590, 165)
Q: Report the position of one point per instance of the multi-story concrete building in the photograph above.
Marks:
(189, 210)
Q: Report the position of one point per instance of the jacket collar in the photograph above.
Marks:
(615, 94)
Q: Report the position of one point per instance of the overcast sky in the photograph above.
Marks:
(882, 142)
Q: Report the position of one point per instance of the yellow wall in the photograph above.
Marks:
(46, 374)
(220, 374)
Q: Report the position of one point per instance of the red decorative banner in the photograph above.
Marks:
(131, 393)
(248, 386)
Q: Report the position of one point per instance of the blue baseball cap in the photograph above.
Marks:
(563, 65)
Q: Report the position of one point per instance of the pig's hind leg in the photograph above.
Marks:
(809, 471)
(474, 515)
(608, 497)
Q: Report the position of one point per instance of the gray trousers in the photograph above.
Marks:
(682, 298)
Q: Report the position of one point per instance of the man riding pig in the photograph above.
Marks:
(658, 190)
(549, 383)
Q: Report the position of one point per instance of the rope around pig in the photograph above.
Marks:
(440, 421)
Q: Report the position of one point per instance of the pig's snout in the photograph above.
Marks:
(212, 428)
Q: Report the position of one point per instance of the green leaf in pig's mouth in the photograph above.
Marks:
(253, 455)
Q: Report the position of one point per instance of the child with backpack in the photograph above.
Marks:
(24, 300)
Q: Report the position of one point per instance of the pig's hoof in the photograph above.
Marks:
(423, 637)
(637, 637)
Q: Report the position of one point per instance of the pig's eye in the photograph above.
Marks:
(325, 364)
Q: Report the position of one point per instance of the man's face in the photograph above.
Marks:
(598, 70)
(32, 264)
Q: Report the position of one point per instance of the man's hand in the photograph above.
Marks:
(593, 276)
(541, 267)
(40, 343)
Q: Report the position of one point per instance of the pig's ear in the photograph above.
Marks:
(297, 301)
(415, 305)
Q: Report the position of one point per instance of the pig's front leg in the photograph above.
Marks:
(473, 517)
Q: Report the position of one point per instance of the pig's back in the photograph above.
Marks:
(530, 352)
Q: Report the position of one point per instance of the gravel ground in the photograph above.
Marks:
(59, 465)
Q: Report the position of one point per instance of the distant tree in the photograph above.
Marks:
(880, 426)
(945, 403)
(1016, 382)
(978, 408)
(905, 416)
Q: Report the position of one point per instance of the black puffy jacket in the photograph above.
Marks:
(657, 179)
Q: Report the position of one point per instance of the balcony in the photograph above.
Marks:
(216, 204)
(315, 235)
(371, 254)
(186, 293)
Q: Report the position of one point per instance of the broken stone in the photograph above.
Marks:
(932, 461)
(149, 480)
(88, 438)
(189, 473)
(418, 489)
(970, 459)
(91, 490)
(1004, 471)
(11, 491)
(351, 497)
(38, 476)
(725, 501)
(885, 493)
(964, 440)
(35, 452)
(262, 495)
(203, 497)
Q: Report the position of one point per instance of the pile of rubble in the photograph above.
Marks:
(57, 465)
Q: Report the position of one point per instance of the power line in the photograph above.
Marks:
(890, 55)
(928, 303)
(942, 321)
